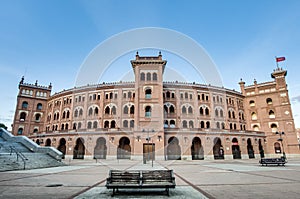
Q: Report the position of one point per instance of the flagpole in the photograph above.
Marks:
(276, 62)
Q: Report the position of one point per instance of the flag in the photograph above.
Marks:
(279, 59)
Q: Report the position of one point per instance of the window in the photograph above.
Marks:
(142, 77)
(253, 116)
(64, 115)
(113, 110)
(168, 94)
(252, 103)
(80, 112)
(221, 113)
(191, 124)
(20, 131)
(22, 116)
(183, 110)
(113, 124)
(274, 127)
(96, 111)
(218, 125)
(25, 105)
(269, 101)
(95, 124)
(207, 125)
(89, 126)
(39, 106)
(166, 124)
(79, 125)
(190, 110)
(76, 113)
(229, 114)
(201, 111)
(255, 127)
(172, 109)
(223, 125)
(132, 109)
(154, 77)
(107, 110)
(148, 111)
(125, 124)
(148, 76)
(172, 123)
(131, 123)
(216, 113)
(68, 114)
(184, 124)
(202, 124)
(271, 114)
(37, 117)
(125, 111)
(186, 95)
(277, 148)
(74, 126)
(106, 124)
(148, 93)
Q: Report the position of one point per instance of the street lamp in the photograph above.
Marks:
(281, 139)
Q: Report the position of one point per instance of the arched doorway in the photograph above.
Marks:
(79, 149)
(100, 149)
(261, 149)
(250, 149)
(218, 149)
(38, 141)
(48, 142)
(197, 149)
(173, 149)
(62, 147)
(236, 152)
(124, 149)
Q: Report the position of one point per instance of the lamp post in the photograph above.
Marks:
(281, 139)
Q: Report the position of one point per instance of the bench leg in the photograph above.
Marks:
(167, 190)
(113, 192)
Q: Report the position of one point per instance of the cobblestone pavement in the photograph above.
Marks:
(194, 179)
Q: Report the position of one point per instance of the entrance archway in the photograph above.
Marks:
(62, 147)
(218, 149)
(48, 142)
(250, 149)
(236, 152)
(261, 149)
(197, 151)
(173, 149)
(79, 149)
(124, 149)
(100, 149)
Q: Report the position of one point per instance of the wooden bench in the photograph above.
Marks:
(272, 161)
(133, 179)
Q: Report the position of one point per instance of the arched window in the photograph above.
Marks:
(142, 76)
(125, 111)
(184, 124)
(90, 111)
(183, 110)
(37, 117)
(230, 125)
(253, 116)
(172, 123)
(229, 114)
(201, 111)
(39, 106)
(186, 95)
(234, 126)
(89, 126)
(125, 124)
(20, 131)
(207, 124)
(206, 111)
(221, 113)
(80, 112)
(190, 110)
(154, 77)
(107, 110)
(25, 105)
(64, 115)
(113, 124)
(252, 103)
(106, 124)
(74, 126)
(113, 110)
(223, 125)
(168, 94)
(274, 127)
(255, 127)
(172, 109)
(148, 93)
(202, 125)
(191, 124)
(79, 125)
(68, 114)
(271, 114)
(148, 111)
(57, 116)
(95, 124)
(148, 76)
(218, 125)
(216, 113)
(132, 109)
(233, 115)
(166, 124)
(269, 101)
(131, 123)
(22, 116)
(76, 113)
(63, 127)
(96, 111)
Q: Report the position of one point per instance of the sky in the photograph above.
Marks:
(49, 40)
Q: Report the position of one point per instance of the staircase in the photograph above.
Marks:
(18, 152)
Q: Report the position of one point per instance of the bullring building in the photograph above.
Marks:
(152, 119)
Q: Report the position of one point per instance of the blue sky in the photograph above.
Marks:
(48, 40)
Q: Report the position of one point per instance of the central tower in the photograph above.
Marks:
(149, 116)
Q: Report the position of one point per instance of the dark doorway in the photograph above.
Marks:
(218, 149)
(79, 149)
(100, 149)
(124, 149)
(250, 149)
(149, 151)
(173, 149)
(62, 147)
(236, 152)
(197, 149)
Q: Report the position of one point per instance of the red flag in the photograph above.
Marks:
(279, 59)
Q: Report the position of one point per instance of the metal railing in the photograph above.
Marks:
(19, 154)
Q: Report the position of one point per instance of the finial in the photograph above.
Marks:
(255, 81)
(22, 80)
(137, 52)
(241, 79)
(50, 85)
(159, 53)
(36, 82)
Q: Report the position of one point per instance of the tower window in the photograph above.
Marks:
(142, 76)
(148, 111)
(154, 77)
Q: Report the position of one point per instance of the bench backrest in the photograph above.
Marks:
(128, 177)
(157, 176)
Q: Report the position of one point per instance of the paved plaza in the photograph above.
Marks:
(194, 179)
